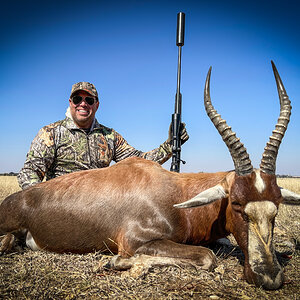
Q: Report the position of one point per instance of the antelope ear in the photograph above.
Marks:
(290, 197)
(208, 196)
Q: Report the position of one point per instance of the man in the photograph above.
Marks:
(79, 142)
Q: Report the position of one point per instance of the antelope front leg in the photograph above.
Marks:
(196, 255)
(164, 253)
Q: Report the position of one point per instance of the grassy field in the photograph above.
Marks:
(26, 274)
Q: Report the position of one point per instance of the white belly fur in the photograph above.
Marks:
(30, 242)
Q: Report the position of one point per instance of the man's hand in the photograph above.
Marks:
(183, 134)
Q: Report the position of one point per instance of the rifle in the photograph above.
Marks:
(176, 117)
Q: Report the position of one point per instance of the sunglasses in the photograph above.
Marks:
(89, 100)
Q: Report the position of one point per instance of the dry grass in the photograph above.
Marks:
(292, 184)
(42, 275)
(8, 186)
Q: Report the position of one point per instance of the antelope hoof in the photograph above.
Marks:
(6, 243)
(210, 262)
(113, 263)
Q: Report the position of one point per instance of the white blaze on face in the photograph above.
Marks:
(261, 215)
(261, 254)
(259, 183)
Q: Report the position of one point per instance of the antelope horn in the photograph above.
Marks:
(237, 150)
(268, 161)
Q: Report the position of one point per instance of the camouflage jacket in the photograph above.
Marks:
(62, 148)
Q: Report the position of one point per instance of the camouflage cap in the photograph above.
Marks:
(84, 86)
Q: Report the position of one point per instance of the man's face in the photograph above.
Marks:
(83, 114)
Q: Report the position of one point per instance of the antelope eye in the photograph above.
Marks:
(246, 218)
(236, 204)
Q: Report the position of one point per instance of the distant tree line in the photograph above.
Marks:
(286, 176)
(9, 174)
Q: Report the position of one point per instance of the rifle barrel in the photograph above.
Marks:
(179, 72)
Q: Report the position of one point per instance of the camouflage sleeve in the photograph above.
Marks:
(124, 150)
(39, 159)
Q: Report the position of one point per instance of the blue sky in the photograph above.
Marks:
(128, 50)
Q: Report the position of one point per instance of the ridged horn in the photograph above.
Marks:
(237, 150)
(268, 161)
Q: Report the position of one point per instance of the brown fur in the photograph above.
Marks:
(120, 203)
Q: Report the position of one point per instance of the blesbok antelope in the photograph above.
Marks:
(129, 208)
